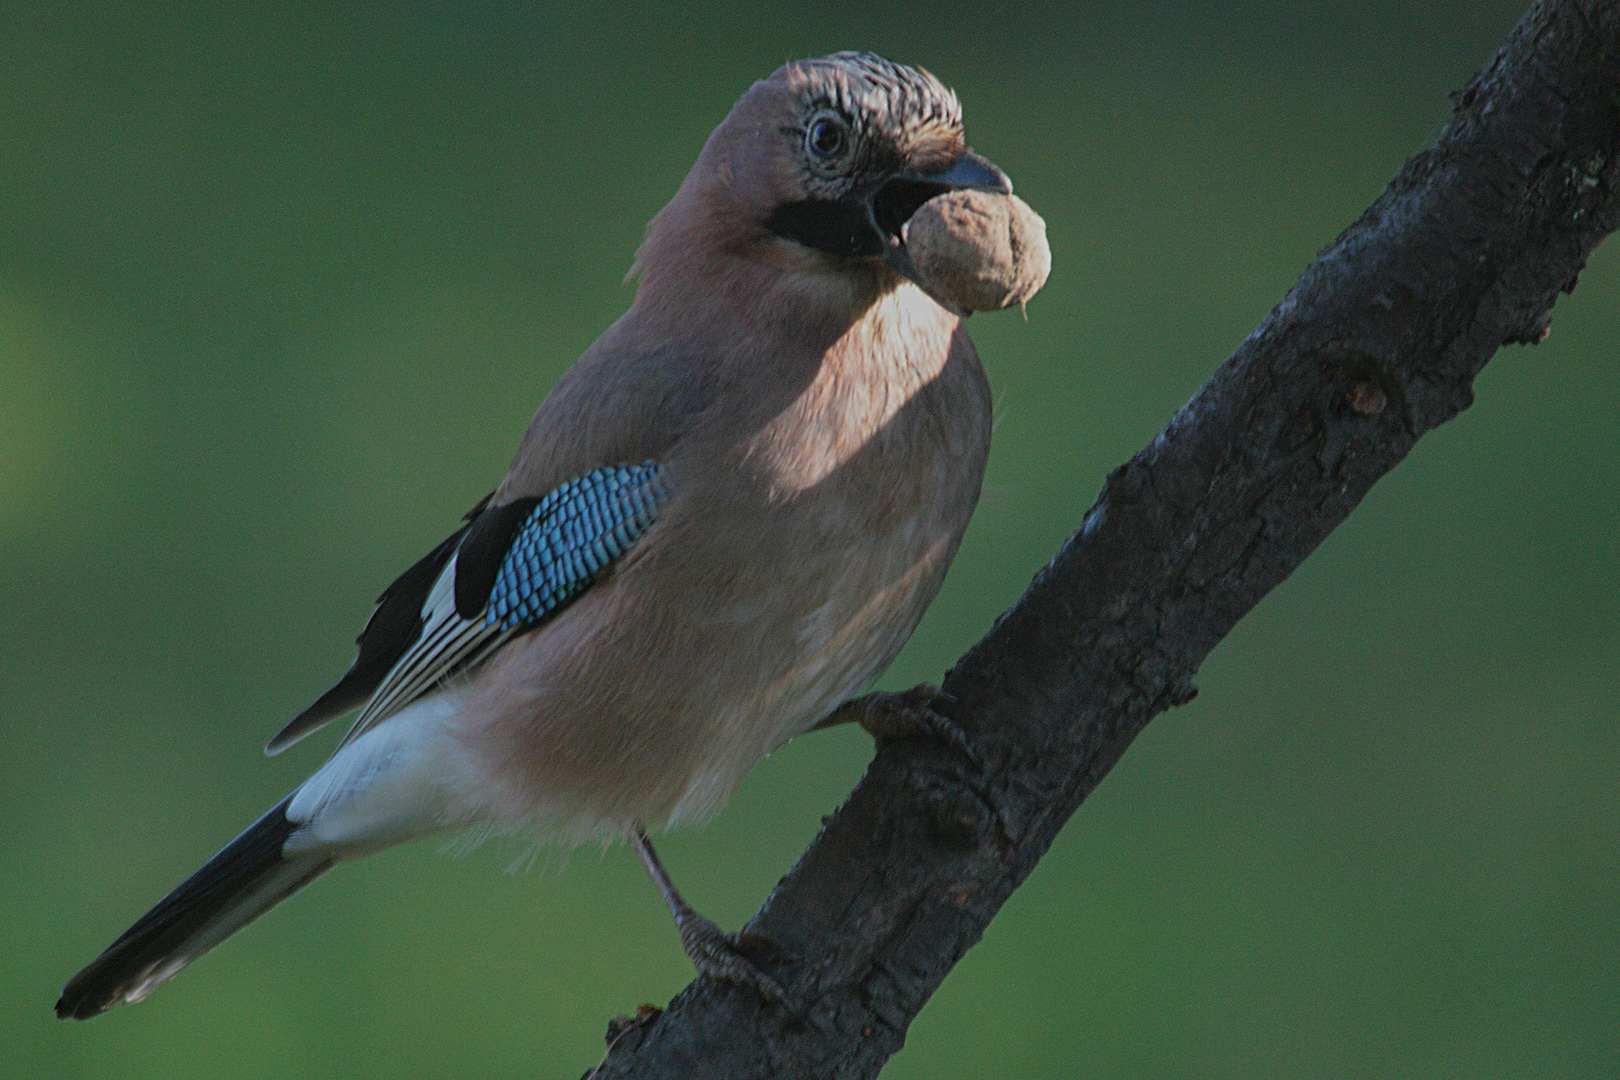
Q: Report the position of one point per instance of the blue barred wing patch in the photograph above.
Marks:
(571, 538)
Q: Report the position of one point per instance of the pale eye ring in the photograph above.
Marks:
(826, 137)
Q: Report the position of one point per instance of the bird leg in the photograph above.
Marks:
(713, 952)
(903, 714)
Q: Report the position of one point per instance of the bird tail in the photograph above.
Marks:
(247, 878)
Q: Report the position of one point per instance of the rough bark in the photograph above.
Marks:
(1378, 342)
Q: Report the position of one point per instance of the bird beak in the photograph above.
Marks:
(968, 171)
(900, 196)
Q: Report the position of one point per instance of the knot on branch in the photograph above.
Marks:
(961, 814)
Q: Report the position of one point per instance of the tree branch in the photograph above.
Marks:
(1377, 343)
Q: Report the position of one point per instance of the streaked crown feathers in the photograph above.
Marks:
(910, 105)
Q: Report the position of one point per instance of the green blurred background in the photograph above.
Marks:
(279, 288)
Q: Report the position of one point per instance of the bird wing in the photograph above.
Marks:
(510, 569)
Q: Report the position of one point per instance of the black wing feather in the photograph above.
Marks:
(395, 624)
(488, 540)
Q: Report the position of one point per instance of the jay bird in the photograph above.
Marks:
(724, 520)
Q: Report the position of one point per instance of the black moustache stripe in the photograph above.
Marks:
(838, 227)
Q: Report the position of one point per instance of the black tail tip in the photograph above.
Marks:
(81, 1009)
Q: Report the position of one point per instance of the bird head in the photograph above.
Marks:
(819, 167)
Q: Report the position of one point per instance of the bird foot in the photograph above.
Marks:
(905, 714)
(718, 955)
(712, 951)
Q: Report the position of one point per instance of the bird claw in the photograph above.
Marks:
(717, 954)
(712, 951)
(888, 715)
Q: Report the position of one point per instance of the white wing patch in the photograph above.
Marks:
(448, 644)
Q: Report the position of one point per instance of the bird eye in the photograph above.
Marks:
(826, 137)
